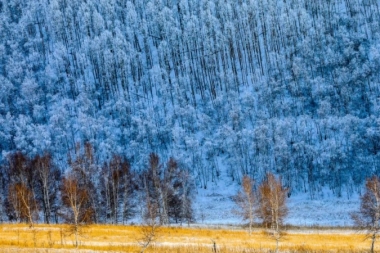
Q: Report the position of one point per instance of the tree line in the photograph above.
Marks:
(36, 190)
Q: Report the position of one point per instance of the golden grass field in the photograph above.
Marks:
(107, 238)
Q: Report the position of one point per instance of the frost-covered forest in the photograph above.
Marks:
(226, 87)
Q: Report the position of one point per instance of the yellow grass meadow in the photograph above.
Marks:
(108, 238)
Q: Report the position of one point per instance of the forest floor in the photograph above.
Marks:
(109, 238)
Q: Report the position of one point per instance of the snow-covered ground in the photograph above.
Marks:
(214, 206)
(326, 211)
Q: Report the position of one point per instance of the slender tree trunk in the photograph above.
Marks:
(373, 242)
(76, 235)
(47, 203)
(277, 245)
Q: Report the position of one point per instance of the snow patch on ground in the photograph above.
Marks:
(214, 206)
(327, 211)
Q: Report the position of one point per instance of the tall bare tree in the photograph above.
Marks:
(23, 203)
(186, 193)
(170, 188)
(272, 206)
(155, 187)
(150, 229)
(117, 186)
(47, 179)
(178, 188)
(246, 201)
(77, 211)
(86, 172)
(368, 217)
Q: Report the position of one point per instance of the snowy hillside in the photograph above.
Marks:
(225, 87)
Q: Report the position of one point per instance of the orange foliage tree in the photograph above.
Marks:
(368, 217)
(246, 201)
(272, 206)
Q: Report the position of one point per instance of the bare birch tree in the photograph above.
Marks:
(170, 188)
(368, 217)
(85, 171)
(78, 212)
(150, 228)
(21, 197)
(117, 187)
(245, 199)
(155, 186)
(47, 178)
(272, 206)
(23, 202)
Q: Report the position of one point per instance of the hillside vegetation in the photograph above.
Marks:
(226, 87)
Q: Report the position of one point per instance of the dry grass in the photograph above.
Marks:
(107, 238)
